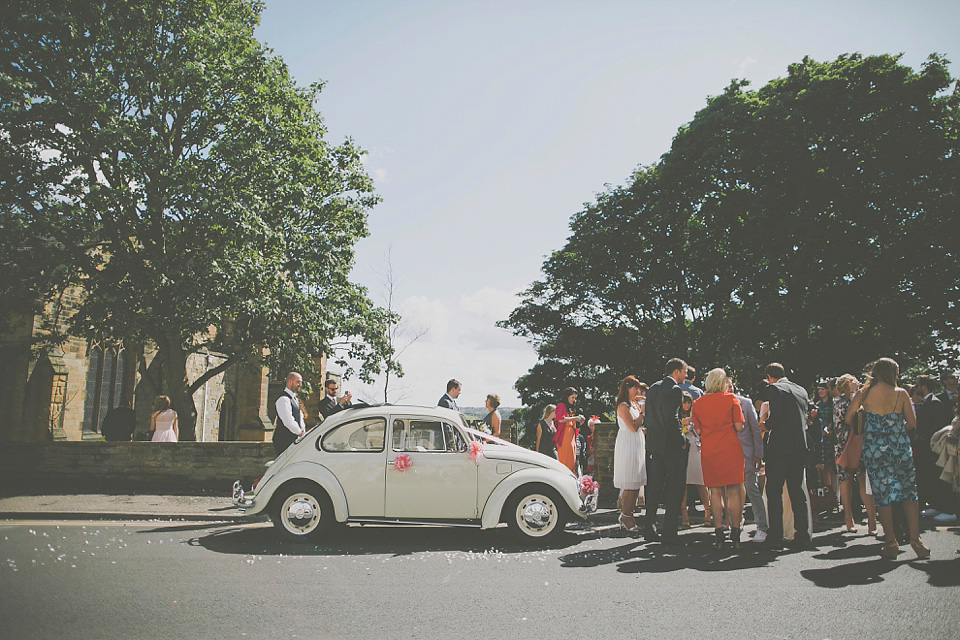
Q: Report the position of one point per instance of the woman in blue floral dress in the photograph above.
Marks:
(887, 453)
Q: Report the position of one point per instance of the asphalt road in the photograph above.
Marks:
(75, 579)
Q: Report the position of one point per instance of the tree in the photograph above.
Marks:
(811, 222)
(156, 155)
(400, 334)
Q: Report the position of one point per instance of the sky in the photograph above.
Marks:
(488, 124)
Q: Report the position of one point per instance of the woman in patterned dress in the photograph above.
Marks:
(848, 385)
(886, 451)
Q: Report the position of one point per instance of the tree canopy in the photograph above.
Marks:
(811, 222)
(157, 155)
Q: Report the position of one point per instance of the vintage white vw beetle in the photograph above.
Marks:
(413, 465)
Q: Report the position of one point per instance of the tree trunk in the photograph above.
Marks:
(175, 381)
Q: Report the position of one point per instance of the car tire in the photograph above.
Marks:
(302, 511)
(535, 512)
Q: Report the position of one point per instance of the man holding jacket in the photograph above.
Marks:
(786, 454)
(667, 452)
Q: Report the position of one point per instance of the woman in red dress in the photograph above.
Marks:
(566, 421)
(717, 418)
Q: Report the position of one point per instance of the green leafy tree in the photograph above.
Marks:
(812, 222)
(155, 154)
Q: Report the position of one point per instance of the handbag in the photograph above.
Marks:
(850, 456)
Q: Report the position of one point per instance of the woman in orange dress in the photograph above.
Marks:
(566, 421)
(717, 418)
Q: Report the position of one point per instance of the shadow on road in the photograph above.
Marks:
(697, 553)
(941, 573)
(376, 539)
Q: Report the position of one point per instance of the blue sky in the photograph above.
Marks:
(488, 124)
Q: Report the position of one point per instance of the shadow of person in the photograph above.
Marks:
(697, 553)
(856, 573)
(846, 547)
(941, 573)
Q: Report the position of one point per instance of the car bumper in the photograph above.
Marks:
(588, 503)
(240, 498)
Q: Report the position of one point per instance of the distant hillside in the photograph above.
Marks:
(479, 413)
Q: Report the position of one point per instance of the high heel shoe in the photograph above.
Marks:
(890, 550)
(623, 525)
(735, 537)
(720, 538)
(922, 550)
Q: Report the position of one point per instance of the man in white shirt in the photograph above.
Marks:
(289, 425)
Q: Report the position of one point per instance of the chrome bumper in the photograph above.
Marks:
(589, 502)
(239, 497)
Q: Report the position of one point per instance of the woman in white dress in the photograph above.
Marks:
(163, 421)
(630, 451)
(694, 467)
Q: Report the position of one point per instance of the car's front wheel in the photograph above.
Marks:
(302, 511)
(535, 512)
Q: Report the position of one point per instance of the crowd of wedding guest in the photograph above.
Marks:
(875, 442)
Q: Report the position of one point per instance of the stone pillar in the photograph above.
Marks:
(604, 439)
(14, 373)
(311, 403)
(58, 398)
(252, 391)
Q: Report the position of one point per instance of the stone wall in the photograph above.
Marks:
(180, 467)
(127, 467)
(604, 439)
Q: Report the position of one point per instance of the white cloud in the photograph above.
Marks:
(490, 303)
(420, 312)
(742, 67)
(461, 342)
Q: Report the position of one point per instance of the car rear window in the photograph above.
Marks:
(365, 435)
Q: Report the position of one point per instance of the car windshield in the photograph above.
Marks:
(473, 434)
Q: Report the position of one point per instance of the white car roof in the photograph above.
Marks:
(352, 413)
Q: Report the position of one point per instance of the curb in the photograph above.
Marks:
(137, 517)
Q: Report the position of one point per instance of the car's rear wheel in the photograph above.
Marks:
(302, 511)
(535, 512)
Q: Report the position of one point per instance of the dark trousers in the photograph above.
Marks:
(666, 481)
(282, 438)
(786, 468)
(930, 488)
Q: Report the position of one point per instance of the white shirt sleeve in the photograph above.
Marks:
(285, 414)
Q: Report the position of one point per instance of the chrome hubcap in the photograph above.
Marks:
(536, 513)
(302, 513)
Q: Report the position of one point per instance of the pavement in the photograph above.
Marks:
(154, 507)
(121, 507)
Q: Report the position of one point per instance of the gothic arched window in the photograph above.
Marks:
(105, 376)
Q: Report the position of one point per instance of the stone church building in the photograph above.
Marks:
(64, 392)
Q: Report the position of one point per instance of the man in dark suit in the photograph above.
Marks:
(932, 415)
(786, 454)
(331, 404)
(119, 423)
(949, 395)
(449, 399)
(667, 450)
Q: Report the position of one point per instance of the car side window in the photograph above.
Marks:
(454, 438)
(424, 435)
(360, 435)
